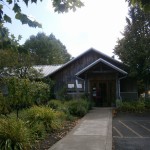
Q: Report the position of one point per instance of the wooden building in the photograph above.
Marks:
(97, 75)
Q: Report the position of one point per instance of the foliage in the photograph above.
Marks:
(23, 93)
(78, 107)
(14, 135)
(37, 130)
(8, 41)
(60, 6)
(40, 92)
(133, 48)
(54, 104)
(118, 103)
(147, 103)
(144, 4)
(61, 106)
(135, 106)
(15, 63)
(14, 59)
(47, 49)
(4, 105)
(51, 119)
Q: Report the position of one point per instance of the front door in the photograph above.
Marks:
(102, 92)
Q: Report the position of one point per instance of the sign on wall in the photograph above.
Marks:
(70, 86)
(79, 86)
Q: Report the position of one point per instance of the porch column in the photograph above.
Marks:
(86, 84)
(117, 87)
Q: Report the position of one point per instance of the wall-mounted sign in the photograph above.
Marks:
(79, 86)
(70, 86)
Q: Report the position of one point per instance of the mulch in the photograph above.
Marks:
(52, 138)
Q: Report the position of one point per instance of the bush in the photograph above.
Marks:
(78, 107)
(54, 104)
(136, 106)
(147, 104)
(51, 119)
(14, 135)
(23, 93)
(140, 106)
(4, 105)
(37, 130)
(61, 107)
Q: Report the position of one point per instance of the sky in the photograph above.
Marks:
(98, 24)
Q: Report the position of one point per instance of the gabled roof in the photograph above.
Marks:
(47, 69)
(104, 62)
(91, 49)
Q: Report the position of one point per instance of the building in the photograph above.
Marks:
(97, 75)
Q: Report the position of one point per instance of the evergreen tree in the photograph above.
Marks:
(134, 48)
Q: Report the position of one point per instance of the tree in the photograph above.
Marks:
(22, 93)
(144, 4)
(7, 40)
(14, 59)
(134, 48)
(47, 49)
(59, 5)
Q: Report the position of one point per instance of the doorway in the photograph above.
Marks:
(102, 92)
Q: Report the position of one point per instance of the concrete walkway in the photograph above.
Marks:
(94, 132)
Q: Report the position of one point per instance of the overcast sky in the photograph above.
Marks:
(98, 24)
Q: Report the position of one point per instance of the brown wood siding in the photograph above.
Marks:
(67, 74)
(128, 85)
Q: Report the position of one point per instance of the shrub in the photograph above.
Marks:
(4, 105)
(118, 103)
(78, 107)
(136, 106)
(23, 93)
(61, 107)
(14, 135)
(140, 106)
(51, 119)
(37, 130)
(147, 104)
(54, 104)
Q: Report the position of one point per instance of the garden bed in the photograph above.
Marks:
(52, 138)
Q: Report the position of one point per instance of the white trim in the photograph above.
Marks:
(103, 61)
(128, 92)
(90, 49)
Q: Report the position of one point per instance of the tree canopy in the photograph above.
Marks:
(14, 59)
(144, 4)
(134, 48)
(60, 6)
(47, 49)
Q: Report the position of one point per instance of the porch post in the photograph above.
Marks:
(86, 84)
(117, 87)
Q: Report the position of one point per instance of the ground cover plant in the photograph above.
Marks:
(51, 119)
(15, 135)
(140, 105)
(37, 123)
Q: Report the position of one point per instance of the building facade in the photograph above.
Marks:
(102, 78)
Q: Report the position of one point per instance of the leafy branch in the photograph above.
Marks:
(60, 6)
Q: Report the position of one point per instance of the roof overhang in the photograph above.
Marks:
(87, 51)
(104, 62)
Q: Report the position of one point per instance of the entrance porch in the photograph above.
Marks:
(102, 82)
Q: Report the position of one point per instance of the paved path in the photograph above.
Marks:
(94, 132)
